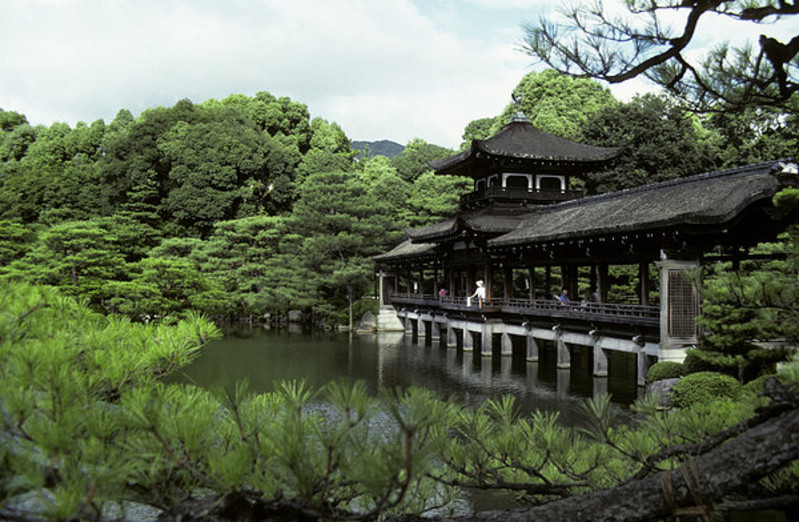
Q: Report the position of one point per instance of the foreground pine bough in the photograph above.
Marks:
(720, 467)
(87, 426)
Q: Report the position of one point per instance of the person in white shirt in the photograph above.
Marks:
(480, 294)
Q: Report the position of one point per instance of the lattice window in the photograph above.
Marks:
(683, 306)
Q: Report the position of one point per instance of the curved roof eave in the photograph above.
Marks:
(484, 221)
(522, 140)
(404, 250)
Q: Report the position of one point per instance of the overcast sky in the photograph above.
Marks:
(381, 69)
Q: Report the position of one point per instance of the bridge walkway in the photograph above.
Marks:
(600, 327)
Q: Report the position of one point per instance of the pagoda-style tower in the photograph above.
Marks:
(522, 165)
(516, 171)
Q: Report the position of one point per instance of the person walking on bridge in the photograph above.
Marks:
(479, 293)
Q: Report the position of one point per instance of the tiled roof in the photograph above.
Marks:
(521, 140)
(489, 221)
(707, 199)
(406, 249)
(713, 198)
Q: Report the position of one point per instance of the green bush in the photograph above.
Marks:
(697, 360)
(363, 305)
(755, 386)
(704, 387)
(665, 370)
(745, 366)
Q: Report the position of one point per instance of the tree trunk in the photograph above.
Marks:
(690, 489)
(349, 296)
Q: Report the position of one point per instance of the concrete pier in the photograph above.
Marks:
(469, 330)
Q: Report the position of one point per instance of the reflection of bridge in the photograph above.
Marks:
(537, 384)
(598, 327)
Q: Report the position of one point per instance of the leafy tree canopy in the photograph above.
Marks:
(412, 162)
(342, 225)
(11, 119)
(477, 130)
(756, 134)
(434, 197)
(557, 103)
(660, 141)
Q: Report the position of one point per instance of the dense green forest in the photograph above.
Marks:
(248, 206)
(237, 207)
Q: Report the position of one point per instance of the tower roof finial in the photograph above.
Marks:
(519, 116)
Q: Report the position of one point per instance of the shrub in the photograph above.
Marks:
(704, 387)
(755, 386)
(697, 360)
(665, 370)
(745, 367)
(365, 304)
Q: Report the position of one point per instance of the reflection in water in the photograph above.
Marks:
(265, 357)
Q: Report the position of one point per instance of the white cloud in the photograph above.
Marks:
(380, 69)
(512, 4)
(394, 69)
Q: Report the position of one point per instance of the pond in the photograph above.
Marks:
(389, 359)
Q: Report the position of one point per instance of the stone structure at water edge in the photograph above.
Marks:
(529, 236)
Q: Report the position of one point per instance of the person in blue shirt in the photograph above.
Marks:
(563, 298)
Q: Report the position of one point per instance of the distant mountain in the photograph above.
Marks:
(385, 148)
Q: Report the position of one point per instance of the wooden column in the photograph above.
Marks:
(604, 282)
(643, 277)
(508, 282)
(573, 283)
(488, 276)
(531, 279)
(382, 292)
(568, 280)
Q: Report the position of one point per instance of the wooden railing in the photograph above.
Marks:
(626, 310)
(519, 194)
(646, 313)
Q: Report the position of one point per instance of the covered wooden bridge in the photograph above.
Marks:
(529, 237)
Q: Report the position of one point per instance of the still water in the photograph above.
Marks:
(267, 356)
